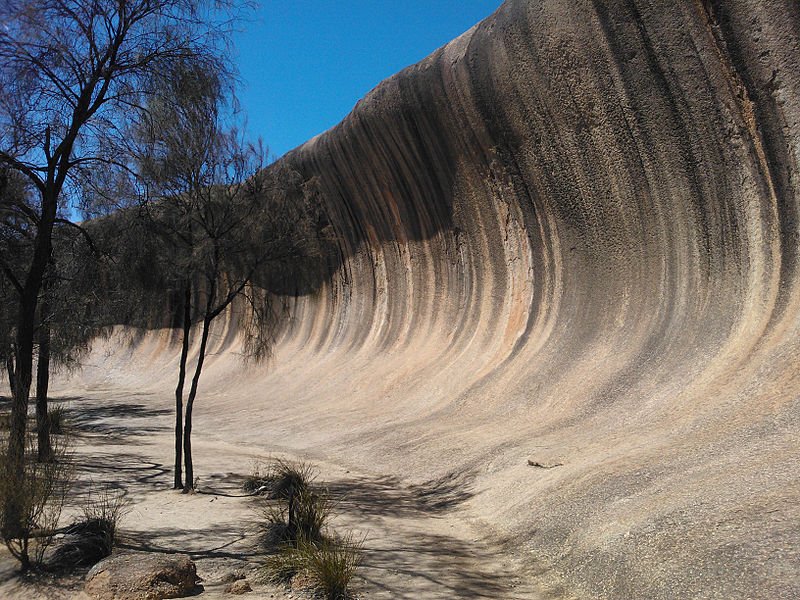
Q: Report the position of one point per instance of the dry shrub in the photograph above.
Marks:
(260, 481)
(296, 524)
(90, 540)
(58, 422)
(331, 565)
(30, 506)
(300, 511)
(327, 565)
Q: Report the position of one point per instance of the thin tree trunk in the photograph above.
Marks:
(187, 428)
(45, 451)
(26, 325)
(22, 388)
(10, 371)
(187, 326)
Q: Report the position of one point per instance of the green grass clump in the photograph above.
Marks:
(295, 524)
(286, 563)
(331, 565)
(327, 565)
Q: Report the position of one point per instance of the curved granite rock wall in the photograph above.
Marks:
(571, 236)
(575, 229)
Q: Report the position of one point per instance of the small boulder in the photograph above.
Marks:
(232, 576)
(239, 587)
(142, 577)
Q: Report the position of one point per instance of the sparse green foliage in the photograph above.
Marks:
(331, 564)
(209, 204)
(38, 499)
(296, 525)
(327, 564)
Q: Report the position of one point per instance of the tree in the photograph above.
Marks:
(67, 318)
(208, 205)
(62, 322)
(14, 237)
(71, 72)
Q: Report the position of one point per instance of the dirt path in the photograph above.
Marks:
(420, 542)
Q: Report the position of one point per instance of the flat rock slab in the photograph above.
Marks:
(142, 577)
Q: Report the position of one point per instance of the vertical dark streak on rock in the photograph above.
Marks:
(764, 120)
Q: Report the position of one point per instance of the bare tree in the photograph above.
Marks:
(71, 74)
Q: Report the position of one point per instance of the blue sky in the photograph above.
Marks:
(305, 63)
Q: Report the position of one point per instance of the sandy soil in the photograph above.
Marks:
(421, 542)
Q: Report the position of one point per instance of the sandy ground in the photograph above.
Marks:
(420, 541)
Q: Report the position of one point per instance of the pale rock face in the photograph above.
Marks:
(575, 231)
(569, 237)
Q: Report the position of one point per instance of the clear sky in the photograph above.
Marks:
(305, 63)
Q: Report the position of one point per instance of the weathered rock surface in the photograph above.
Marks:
(142, 577)
(239, 587)
(570, 234)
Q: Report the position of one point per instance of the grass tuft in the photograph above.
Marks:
(260, 481)
(58, 421)
(300, 510)
(331, 565)
(296, 525)
(327, 565)
(90, 540)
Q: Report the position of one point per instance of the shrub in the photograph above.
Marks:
(327, 565)
(289, 479)
(296, 525)
(300, 512)
(311, 513)
(92, 539)
(30, 507)
(57, 421)
(331, 564)
(260, 481)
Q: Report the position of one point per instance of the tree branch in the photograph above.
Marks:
(12, 278)
(23, 168)
(83, 232)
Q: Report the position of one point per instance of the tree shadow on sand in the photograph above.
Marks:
(118, 421)
(389, 496)
(120, 472)
(409, 551)
(404, 558)
(219, 541)
(414, 565)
